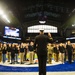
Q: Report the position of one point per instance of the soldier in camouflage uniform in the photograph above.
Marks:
(50, 52)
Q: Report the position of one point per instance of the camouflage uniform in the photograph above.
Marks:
(50, 52)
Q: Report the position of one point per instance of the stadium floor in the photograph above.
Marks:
(56, 68)
(36, 73)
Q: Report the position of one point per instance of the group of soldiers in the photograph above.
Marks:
(17, 53)
(59, 52)
(12, 51)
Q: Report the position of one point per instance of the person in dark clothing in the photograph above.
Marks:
(4, 51)
(25, 51)
(9, 51)
(22, 53)
(73, 45)
(56, 52)
(61, 52)
(0, 51)
(12, 54)
(30, 47)
(40, 43)
(65, 53)
(69, 51)
(16, 53)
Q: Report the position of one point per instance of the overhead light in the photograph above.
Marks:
(73, 25)
(8, 21)
(42, 22)
(1, 12)
(4, 16)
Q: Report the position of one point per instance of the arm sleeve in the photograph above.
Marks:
(50, 40)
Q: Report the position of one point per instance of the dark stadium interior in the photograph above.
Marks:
(25, 13)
